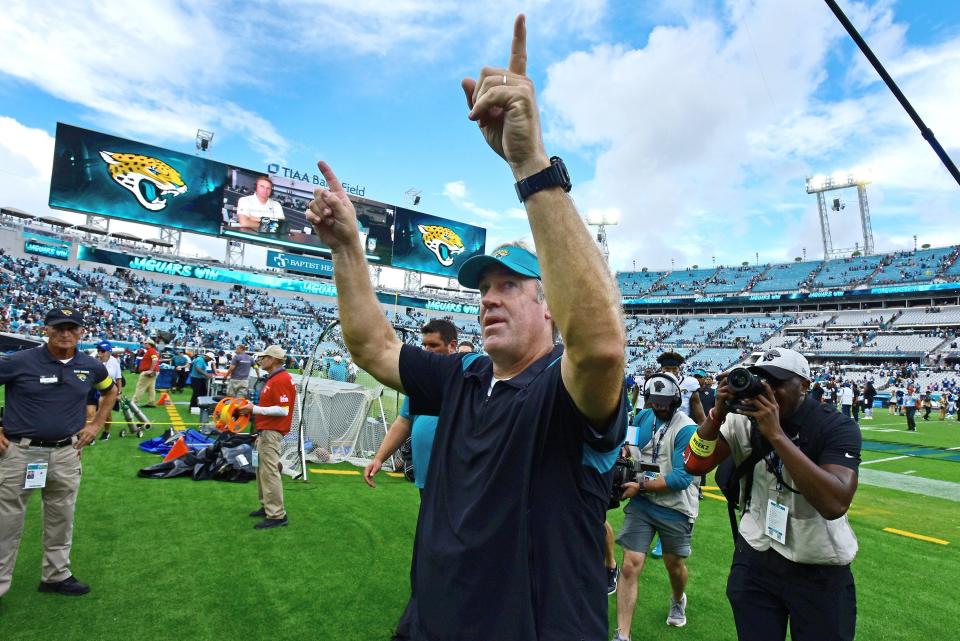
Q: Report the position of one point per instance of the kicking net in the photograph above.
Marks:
(338, 415)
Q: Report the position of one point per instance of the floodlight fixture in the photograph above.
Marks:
(839, 180)
(857, 178)
(601, 219)
(608, 216)
(204, 138)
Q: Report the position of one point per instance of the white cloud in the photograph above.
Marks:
(152, 69)
(705, 133)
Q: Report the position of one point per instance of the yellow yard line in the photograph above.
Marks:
(715, 497)
(919, 537)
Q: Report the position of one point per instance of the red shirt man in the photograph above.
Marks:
(274, 414)
(151, 359)
(278, 391)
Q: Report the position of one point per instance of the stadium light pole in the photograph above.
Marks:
(820, 184)
(601, 219)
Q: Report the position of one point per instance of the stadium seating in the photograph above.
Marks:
(732, 280)
(638, 283)
(845, 272)
(785, 277)
(911, 267)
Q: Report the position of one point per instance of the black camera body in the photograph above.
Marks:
(744, 385)
(624, 471)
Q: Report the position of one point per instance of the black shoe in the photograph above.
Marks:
(260, 512)
(68, 587)
(269, 523)
(105, 436)
(612, 575)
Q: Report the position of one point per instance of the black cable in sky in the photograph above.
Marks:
(925, 131)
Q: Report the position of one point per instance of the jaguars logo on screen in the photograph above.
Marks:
(443, 242)
(148, 179)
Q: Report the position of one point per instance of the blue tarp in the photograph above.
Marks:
(195, 441)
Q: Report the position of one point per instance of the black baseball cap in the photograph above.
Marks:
(63, 316)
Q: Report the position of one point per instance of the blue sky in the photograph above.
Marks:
(697, 121)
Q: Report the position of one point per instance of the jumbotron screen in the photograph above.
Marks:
(271, 210)
(96, 173)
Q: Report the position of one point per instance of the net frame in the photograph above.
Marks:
(359, 429)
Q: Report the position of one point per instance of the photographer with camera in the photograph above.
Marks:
(798, 462)
(663, 497)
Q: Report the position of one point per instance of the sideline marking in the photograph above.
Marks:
(884, 460)
(919, 537)
(715, 497)
(909, 472)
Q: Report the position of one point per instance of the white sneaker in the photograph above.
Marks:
(678, 612)
(618, 637)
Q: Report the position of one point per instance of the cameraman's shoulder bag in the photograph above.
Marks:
(728, 478)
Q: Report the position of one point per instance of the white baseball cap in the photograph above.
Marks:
(782, 363)
(661, 387)
(274, 351)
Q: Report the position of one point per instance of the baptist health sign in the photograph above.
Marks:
(302, 264)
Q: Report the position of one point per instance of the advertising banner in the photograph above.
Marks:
(203, 272)
(60, 251)
(426, 243)
(300, 264)
(96, 173)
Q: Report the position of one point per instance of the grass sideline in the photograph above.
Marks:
(176, 558)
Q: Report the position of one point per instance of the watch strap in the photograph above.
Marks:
(553, 176)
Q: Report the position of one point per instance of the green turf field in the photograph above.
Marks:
(177, 559)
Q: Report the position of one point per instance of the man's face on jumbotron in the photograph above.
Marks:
(64, 336)
(512, 320)
(264, 189)
(433, 342)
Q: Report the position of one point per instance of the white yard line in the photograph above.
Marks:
(884, 460)
(913, 484)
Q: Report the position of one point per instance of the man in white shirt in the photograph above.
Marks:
(846, 399)
(105, 356)
(258, 207)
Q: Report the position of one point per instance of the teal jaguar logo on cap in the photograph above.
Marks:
(517, 259)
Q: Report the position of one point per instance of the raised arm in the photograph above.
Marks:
(580, 290)
(371, 340)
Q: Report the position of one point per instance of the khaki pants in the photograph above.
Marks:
(269, 481)
(237, 387)
(146, 384)
(59, 499)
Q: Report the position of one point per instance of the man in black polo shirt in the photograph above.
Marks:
(43, 431)
(794, 547)
(509, 542)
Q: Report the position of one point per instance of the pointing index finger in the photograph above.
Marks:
(518, 49)
(333, 183)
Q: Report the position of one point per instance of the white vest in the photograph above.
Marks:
(685, 501)
(810, 537)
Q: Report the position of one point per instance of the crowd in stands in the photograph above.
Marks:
(923, 265)
(128, 307)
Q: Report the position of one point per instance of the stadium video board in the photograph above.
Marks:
(271, 210)
(96, 173)
(427, 243)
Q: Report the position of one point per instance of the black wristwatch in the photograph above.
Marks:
(553, 176)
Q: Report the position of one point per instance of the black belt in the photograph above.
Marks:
(35, 443)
